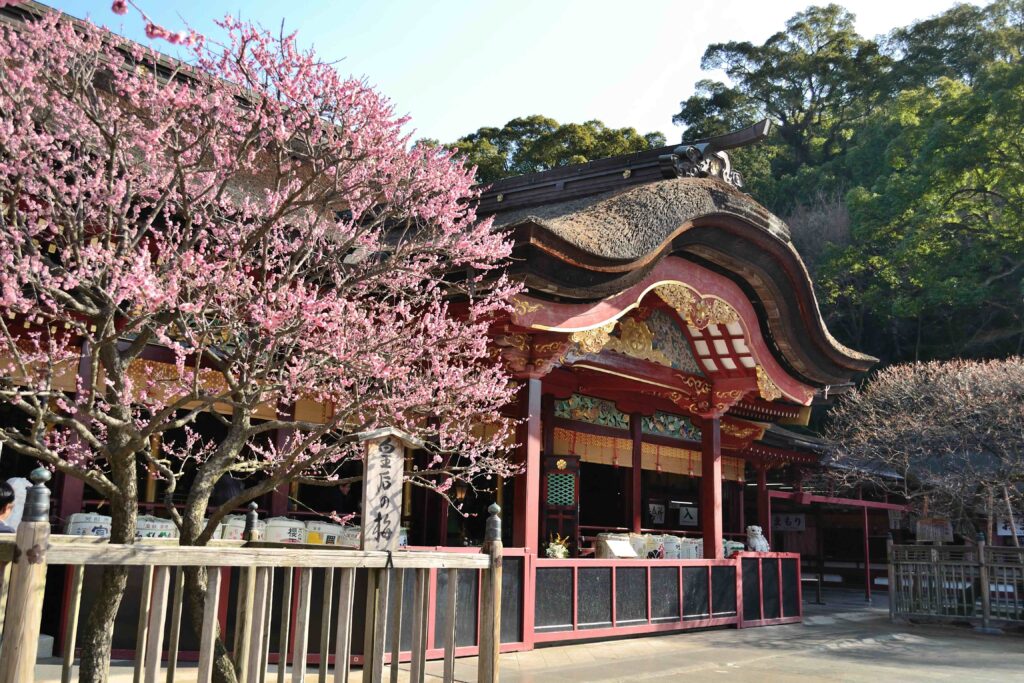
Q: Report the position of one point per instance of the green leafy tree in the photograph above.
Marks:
(537, 143)
(815, 80)
(938, 238)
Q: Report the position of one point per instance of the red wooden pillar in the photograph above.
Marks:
(764, 503)
(867, 558)
(72, 491)
(711, 488)
(527, 512)
(636, 474)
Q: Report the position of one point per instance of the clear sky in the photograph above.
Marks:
(457, 65)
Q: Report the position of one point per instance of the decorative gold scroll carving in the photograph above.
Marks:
(697, 310)
(741, 432)
(522, 306)
(636, 340)
(593, 340)
(768, 389)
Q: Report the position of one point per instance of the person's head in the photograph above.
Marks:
(6, 500)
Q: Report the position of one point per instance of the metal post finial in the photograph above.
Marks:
(37, 498)
(493, 531)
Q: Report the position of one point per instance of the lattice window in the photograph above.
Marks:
(561, 489)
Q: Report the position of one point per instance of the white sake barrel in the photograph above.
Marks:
(350, 536)
(601, 548)
(233, 527)
(690, 549)
(323, 533)
(672, 546)
(639, 543)
(88, 524)
(149, 526)
(285, 530)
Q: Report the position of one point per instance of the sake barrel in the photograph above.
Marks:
(639, 543)
(349, 536)
(603, 550)
(149, 526)
(672, 546)
(233, 527)
(323, 533)
(285, 530)
(88, 524)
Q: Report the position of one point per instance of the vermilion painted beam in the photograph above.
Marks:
(711, 488)
(829, 500)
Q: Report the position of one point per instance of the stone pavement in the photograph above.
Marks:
(843, 640)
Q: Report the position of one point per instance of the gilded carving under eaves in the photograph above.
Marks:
(768, 389)
(636, 340)
(695, 309)
(522, 306)
(593, 340)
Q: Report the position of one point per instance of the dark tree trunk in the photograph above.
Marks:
(97, 635)
(193, 524)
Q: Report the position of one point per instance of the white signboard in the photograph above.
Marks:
(382, 493)
(789, 521)
(687, 516)
(1003, 527)
(657, 513)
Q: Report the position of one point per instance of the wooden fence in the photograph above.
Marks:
(23, 570)
(957, 583)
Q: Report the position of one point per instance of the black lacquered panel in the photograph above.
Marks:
(630, 595)
(770, 588)
(695, 592)
(723, 591)
(665, 594)
(594, 597)
(790, 588)
(465, 607)
(751, 589)
(512, 600)
(553, 611)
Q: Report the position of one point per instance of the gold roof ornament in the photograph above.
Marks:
(594, 339)
(636, 340)
(768, 389)
(697, 310)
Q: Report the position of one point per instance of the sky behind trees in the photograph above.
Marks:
(455, 65)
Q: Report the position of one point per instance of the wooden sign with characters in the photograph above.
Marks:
(383, 465)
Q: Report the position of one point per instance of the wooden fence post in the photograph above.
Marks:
(246, 597)
(986, 589)
(28, 579)
(893, 588)
(490, 601)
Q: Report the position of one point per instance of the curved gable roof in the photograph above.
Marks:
(586, 247)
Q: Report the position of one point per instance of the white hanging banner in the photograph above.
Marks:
(1003, 527)
(791, 521)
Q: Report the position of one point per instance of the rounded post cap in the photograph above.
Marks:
(40, 476)
(980, 537)
(493, 509)
(253, 506)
